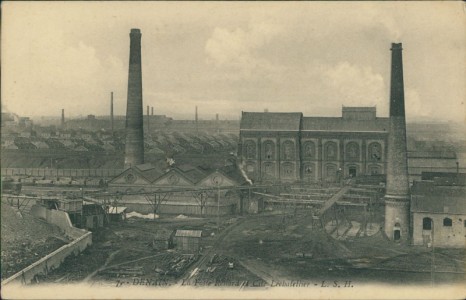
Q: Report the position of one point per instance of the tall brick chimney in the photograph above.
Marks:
(148, 120)
(111, 111)
(134, 150)
(62, 117)
(397, 197)
(196, 120)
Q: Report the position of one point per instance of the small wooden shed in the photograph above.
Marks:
(188, 241)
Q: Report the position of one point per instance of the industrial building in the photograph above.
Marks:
(289, 147)
(438, 213)
(179, 184)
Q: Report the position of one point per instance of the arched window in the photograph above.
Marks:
(287, 170)
(375, 151)
(427, 224)
(309, 150)
(352, 151)
(269, 150)
(250, 150)
(447, 222)
(269, 169)
(330, 151)
(288, 150)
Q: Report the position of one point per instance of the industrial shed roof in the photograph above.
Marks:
(188, 233)
(341, 125)
(432, 154)
(263, 121)
(427, 197)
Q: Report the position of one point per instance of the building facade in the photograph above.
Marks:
(438, 215)
(288, 147)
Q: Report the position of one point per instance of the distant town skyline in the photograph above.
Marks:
(228, 57)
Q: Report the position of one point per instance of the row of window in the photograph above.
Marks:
(447, 222)
(352, 151)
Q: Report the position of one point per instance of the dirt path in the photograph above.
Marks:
(257, 269)
(107, 261)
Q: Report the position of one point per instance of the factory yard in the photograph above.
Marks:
(274, 248)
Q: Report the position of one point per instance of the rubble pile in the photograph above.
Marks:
(25, 240)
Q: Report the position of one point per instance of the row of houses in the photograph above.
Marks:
(159, 143)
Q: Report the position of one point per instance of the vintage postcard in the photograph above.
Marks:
(233, 150)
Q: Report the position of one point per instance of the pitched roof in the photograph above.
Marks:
(234, 173)
(189, 233)
(270, 121)
(342, 125)
(427, 197)
(150, 172)
(193, 174)
(432, 154)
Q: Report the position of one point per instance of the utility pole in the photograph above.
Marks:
(432, 271)
(218, 207)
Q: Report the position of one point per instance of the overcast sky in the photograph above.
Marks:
(228, 57)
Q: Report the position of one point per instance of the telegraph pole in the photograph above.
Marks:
(432, 271)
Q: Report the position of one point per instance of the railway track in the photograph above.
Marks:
(190, 272)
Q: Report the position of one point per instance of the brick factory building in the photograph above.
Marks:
(289, 147)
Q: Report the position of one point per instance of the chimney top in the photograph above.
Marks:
(396, 46)
(135, 30)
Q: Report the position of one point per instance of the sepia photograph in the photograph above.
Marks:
(233, 150)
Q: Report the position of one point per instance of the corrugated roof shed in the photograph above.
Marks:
(188, 233)
(270, 121)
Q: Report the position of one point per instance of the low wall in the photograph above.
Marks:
(81, 240)
(58, 218)
(51, 261)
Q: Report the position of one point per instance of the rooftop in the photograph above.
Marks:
(270, 121)
(428, 197)
(344, 125)
(189, 233)
(353, 119)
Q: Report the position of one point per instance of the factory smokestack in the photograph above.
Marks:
(152, 111)
(134, 150)
(195, 120)
(397, 198)
(148, 121)
(111, 111)
(62, 117)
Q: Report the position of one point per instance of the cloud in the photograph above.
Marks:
(414, 106)
(235, 51)
(60, 75)
(355, 85)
